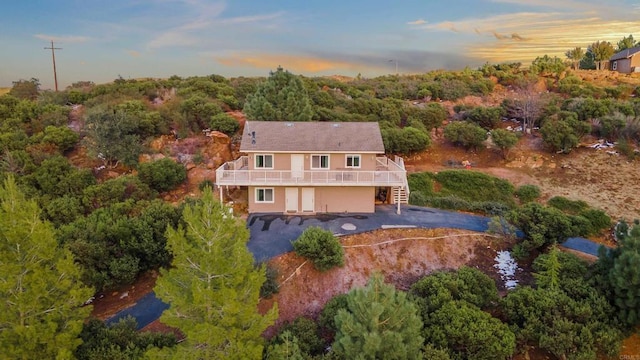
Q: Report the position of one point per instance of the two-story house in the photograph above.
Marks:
(314, 167)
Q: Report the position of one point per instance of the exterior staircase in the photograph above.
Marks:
(404, 198)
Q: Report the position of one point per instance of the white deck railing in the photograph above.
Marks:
(236, 173)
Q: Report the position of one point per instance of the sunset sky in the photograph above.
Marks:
(102, 40)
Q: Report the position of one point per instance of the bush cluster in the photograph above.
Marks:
(162, 175)
(527, 193)
(321, 247)
(462, 190)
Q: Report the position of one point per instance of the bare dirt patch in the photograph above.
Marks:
(401, 255)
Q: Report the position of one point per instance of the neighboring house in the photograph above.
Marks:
(626, 61)
(314, 167)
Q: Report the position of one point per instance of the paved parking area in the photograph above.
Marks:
(272, 234)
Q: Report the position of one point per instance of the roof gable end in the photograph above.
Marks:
(625, 54)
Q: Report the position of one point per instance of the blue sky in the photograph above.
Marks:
(102, 40)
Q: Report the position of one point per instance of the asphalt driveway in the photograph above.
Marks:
(272, 234)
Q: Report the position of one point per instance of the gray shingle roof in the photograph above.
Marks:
(279, 136)
(625, 53)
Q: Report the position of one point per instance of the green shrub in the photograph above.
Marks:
(162, 175)
(224, 123)
(63, 137)
(519, 252)
(118, 341)
(465, 134)
(569, 206)
(504, 139)
(475, 186)
(321, 247)
(434, 353)
(306, 331)
(487, 117)
(527, 193)
(491, 208)
(625, 148)
(453, 89)
(462, 190)
(328, 314)
(598, 219)
(206, 183)
(450, 202)
(581, 226)
(562, 135)
(421, 183)
(418, 198)
(405, 141)
(467, 284)
(270, 285)
(541, 225)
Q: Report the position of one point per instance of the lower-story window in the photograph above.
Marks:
(264, 195)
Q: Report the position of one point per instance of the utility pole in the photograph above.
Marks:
(396, 61)
(53, 56)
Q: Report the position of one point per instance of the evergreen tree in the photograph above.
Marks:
(111, 137)
(121, 340)
(40, 292)
(504, 139)
(549, 275)
(282, 97)
(441, 287)
(469, 333)
(379, 323)
(625, 278)
(286, 349)
(212, 286)
(626, 42)
(568, 327)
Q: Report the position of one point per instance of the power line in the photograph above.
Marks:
(53, 56)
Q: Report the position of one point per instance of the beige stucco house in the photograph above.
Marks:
(626, 61)
(314, 167)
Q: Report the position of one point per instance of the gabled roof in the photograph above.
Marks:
(280, 136)
(625, 54)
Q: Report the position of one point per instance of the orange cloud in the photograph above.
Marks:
(294, 63)
(133, 53)
(534, 34)
(417, 22)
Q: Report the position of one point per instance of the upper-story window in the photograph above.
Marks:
(353, 161)
(264, 161)
(319, 161)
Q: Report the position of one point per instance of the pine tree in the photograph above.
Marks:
(287, 349)
(548, 277)
(469, 333)
(281, 98)
(379, 323)
(212, 287)
(40, 291)
(625, 278)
